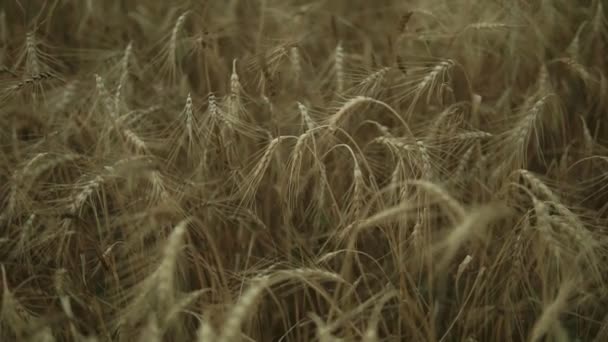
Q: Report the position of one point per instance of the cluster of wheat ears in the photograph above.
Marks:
(283, 170)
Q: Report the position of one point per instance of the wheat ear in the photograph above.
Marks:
(339, 67)
(255, 178)
(550, 315)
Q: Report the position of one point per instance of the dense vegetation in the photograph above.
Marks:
(328, 170)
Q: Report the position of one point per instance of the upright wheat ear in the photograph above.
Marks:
(205, 332)
(308, 121)
(108, 105)
(31, 52)
(235, 93)
(124, 65)
(339, 68)
(173, 41)
(296, 63)
(166, 271)
(188, 113)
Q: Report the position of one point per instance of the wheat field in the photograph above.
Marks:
(284, 170)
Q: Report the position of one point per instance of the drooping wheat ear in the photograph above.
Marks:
(173, 41)
(473, 135)
(373, 82)
(83, 196)
(323, 186)
(427, 169)
(396, 145)
(22, 180)
(296, 164)
(457, 211)
(231, 329)
(296, 62)
(579, 70)
(429, 82)
(565, 218)
(335, 119)
(473, 223)
(165, 274)
(37, 166)
(490, 26)
(572, 226)
(522, 132)
(400, 189)
(539, 187)
(359, 184)
(439, 124)
(253, 181)
(305, 274)
(309, 123)
(544, 226)
(136, 141)
(384, 130)
(550, 316)
(159, 191)
(339, 67)
(180, 306)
